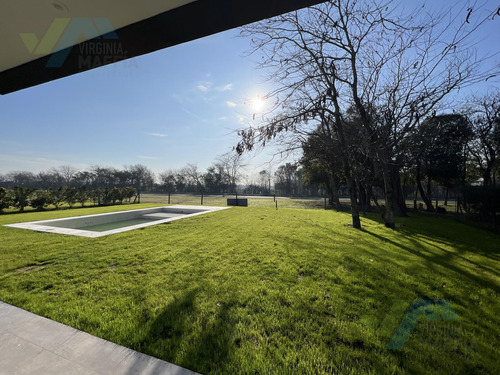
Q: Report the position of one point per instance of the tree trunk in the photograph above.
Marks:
(424, 196)
(356, 222)
(429, 189)
(387, 211)
(375, 201)
(369, 194)
(362, 198)
(437, 197)
(446, 196)
(399, 203)
(487, 176)
(333, 191)
(351, 184)
(415, 199)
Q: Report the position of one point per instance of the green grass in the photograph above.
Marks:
(258, 290)
(219, 200)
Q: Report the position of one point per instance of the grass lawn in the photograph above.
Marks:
(219, 200)
(259, 291)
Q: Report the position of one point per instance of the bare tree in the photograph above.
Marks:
(232, 165)
(21, 179)
(67, 173)
(142, 178)
(485, 147)
(391, 69)
(265, 178)
(194, 176)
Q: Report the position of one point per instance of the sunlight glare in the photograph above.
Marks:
(257, 104)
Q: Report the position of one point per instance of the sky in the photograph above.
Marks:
(165, 109)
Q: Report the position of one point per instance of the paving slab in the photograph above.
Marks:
(48, 363)
(11, 318)
(34, 345)
(14, 351)
(45, 333)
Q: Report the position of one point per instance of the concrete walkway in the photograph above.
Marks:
(31, 344)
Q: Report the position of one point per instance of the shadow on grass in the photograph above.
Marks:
(448, 255)
(443, 261)
(464, 239)
(448, 231)
(189, 337)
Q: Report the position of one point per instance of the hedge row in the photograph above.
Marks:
(21, 197)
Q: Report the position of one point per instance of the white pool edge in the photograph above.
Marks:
(39, 227)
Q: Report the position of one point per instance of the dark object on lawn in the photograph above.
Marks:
(441, 210)
(238, 202)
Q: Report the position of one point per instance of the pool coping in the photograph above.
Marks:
(39, 227)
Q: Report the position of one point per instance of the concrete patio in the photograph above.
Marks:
(31, 344)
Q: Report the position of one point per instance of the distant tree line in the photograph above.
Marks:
(39, 199)
(99, 185)
(106, 185)
(137, 176)
(225, 176)
(290, 179)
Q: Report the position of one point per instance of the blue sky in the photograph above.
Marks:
(172, 107)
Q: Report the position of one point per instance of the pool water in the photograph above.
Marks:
(116, 225)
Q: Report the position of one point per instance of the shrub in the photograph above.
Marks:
(71, 196)
(82, 195)
(21, 197)
(115, 195)
(5, 199)
(484, 200)
(129, 192)
(57, 196)
(40, 199)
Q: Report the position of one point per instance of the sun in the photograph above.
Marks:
(257, 104)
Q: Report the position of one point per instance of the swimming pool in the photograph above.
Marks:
(115, 222)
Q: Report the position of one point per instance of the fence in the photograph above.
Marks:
(221, 200)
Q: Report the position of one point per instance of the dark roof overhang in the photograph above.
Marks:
(193, 20)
